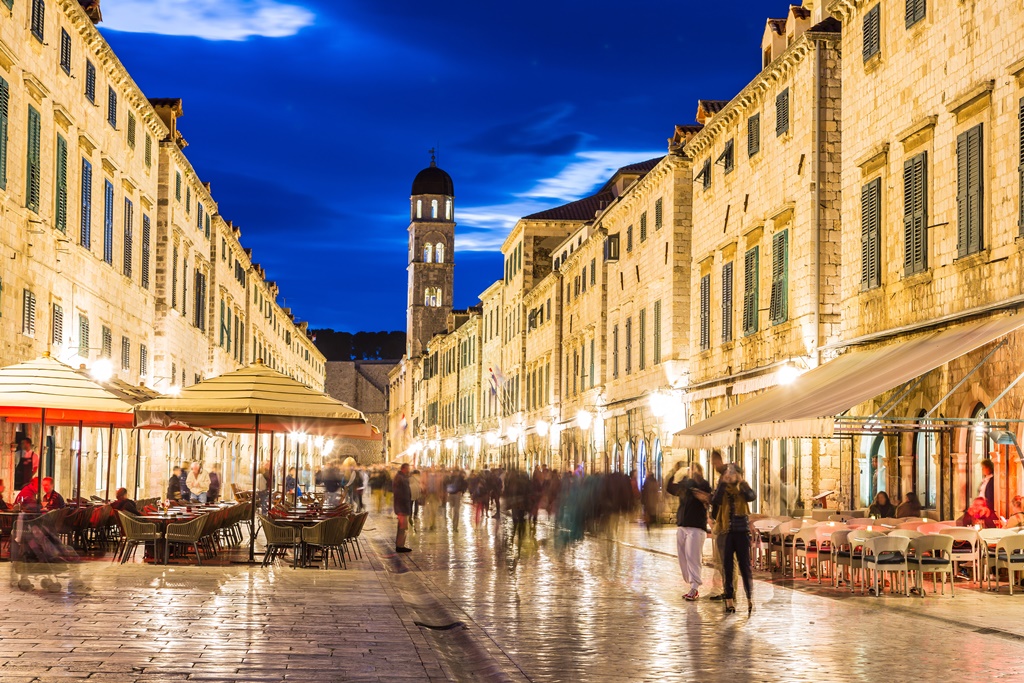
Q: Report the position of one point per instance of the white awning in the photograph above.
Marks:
(808, 407)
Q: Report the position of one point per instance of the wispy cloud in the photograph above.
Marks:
(208, 19)
(484, 228)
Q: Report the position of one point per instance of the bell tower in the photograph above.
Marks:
(431, 251)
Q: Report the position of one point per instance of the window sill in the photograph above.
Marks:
(873, 62)
(972, 260)
(923, 277)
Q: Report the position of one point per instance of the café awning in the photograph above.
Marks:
(809, 405)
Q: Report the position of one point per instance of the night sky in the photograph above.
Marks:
(311, 118)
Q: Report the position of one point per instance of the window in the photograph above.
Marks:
(915, 214)
(659, 213)
(593, 272)
(705, 312)
(28, 313)
(727, 158)
(61, 185)
(32, 185)
(704, 176)
(629, 345)
(657, 331)
(111, 107)
(780, 278)
(583, 279)
(591, 363)
(433, 208)
(38, 14)
(143, 360)
(65, 51)
(643, 338)
(643, 227)
(199, 216)
(129, 216)
(727, 302)
(969, 191)
(439, 251)
(419, 208)
(131, 130)
(615, 351)
(126, 354)
(174, 278)
(629, 239)
(177, 185)
(872, 31)
(145, 251)
(149, 150)
(199, 312)
(428, 253)
(90, 81)
(108, 222)
(448, 209)
(106, 342)
(5, 101)
(871, 234)
(85, 231)
(184, 284)
(1020, 162)
(432, 297)
(915, 13)
(753, 135)
(611, 247)
(188, 199)
(782, 113)
(750, 290)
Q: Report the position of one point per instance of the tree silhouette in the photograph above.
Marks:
(359, 346)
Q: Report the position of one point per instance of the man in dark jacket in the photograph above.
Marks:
(694, 492)
(403, 506)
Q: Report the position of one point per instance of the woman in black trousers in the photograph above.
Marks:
(732, 498)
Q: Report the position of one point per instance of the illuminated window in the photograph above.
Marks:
(419, 208)
(439, 250)
(448, 209)
(428, 253)
(433, 208)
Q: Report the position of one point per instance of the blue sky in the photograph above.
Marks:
(311, 118)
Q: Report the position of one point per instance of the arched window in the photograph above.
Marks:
(979, 446)
(433, 208)
(432, 297)
(428, 253)
(641, 461)
(419, 208)
(448, 209)
(926, 465)
(440, 252)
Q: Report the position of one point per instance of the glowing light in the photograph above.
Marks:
(787, 374)
(542, 428)
(659, 404)
(449, 443)
(173, 390)
(584, 419)
(102, 370)
(492, 438)
(328, 447)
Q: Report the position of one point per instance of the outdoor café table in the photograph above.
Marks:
(299, 522)
(162, 519)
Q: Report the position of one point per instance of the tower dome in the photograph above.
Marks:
(433, 180)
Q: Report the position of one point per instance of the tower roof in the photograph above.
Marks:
(433, 180)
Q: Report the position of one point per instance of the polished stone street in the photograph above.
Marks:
(484, 604)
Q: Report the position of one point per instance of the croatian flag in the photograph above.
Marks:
(402, 422)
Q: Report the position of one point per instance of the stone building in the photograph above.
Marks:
(117, 258)
(362, 384)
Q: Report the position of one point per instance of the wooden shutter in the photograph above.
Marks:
(643, 227)
(129, 217)
(32, 185)
(872, 28)
(657, 331)
(615, 351)
(177, 185)
(643, 338)
(915, 10)
(629, 238)
(143, 360)
(592, 363)
(753, 135)
(108, 222)
(65, 51)
(149, 150)
(90, 81)
(38, 18)
(145, 251)
(61, 219)
(106, 342)
(58, 324)
(5, 100)
(780, 278)
(727, 281)
(629, 345)
(969, 191)
(705, 312)
(870, 234)
(126, 353)
(111, 107)
(706, 173)
(750, 290)
(85, 233)
(782, 112)
(915, 214)
(28, 313)
(131, 130)
(658, 213)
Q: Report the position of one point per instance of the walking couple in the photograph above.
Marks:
(731, 530)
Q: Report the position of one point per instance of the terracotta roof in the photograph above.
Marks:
(580, 210)
(830, 25)
(643, 167)
(778, 25)
(712, 106)
(799, 12)
(171, 102)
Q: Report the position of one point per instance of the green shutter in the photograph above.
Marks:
(870, 234)
(969, 193)
(33, 177)
(782, 112)
(750, 290)
(149, 150)
(129, 218)
(61, 219)
(872, 29)
(643, 338)
(915, 10)
(915, 214)
(780, 278)
(727, 280)
(145, 251)
(705, 313)
(657, 331)
(643, 227)
(753, 135)
(659, 216)
(5, 98)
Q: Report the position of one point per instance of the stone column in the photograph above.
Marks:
(906, 477)
(959, 483)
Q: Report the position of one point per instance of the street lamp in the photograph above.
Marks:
(584, 419)
(102, 370)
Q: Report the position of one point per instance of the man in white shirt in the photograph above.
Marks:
(198, 483)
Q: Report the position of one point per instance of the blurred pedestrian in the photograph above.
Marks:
(717, 535)
(733, 497)
(455, 487)
(694, 494)
(403, 506)
(332, 481)
(198, 483)
(882, 507)
(122, 503)
(174, 484)
(416, 490)
(650, 499)
(213, 493)
(377, 481)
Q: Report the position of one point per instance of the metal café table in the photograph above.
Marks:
(162, 519)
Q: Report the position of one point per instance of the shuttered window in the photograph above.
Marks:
(108, 222)
(129, 219)
(657, 331)
(38, 17)
(200, 294)
(727, 158)
(28, 313)
(90, 81)
(915, 11)
(61, 185)
(184, 285)
(592, 364)
(85, 230)
(34, 166)
(145, 251)
(629, 345)
(704, 176)
(58, 324)
(199, 217)
(174, 278)
(705, 313)
(872, 32)
(83, 336)
(177, 185)
(727, 282)
(629, 239)
(1020, 167)
(131, 130)
(593, 272)
(643, 338)
(750, 290)
(780, 278)
(915, 214)
(969, 191)
(643, 227)
(188, 200)
(753, 135)
(126, 353)
(5, 103)
(111, 107)
(659, 213)
(65, 51)
(106, 342)
(149, 150)
(615, 351)
(143, 360)
(871, 234)
(782, 113)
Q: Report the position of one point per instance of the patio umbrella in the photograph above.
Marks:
(256, 400)
(46, 391)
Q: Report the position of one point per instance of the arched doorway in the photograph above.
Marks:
(977, 444)
(659, 460)
(641, 462)
(628, 459)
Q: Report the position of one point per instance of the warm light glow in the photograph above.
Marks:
(319, 442)
(492, 438)
(787, 374)
(173, 390)
(542, 428)
(513, 432)
(449, 443)
(102, 370)
(584, 419)
(468, 439)
(659, 404)
(328, 447)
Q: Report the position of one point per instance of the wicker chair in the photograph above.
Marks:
(316, 536)
(7, 520)
(279, 540)
(187, 534)
(136, 532)
(355, 529)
